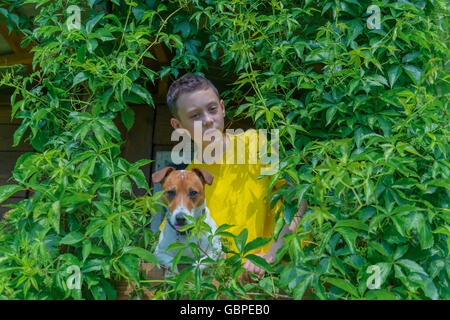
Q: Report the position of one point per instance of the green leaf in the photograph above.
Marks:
(56, 218)
(400, 251)
(413, 72)
(108, 237)
(330, 114)
(325, 241)
(410, 56)
(127, 116)
(259, 262)
(425, 235)
(277, 66)
(430, 289)
(130, 264)
(417, 221)
(349, 236)
(411, 266)
(255, 244)
(278, 227)
(93, 21)
(381, 294)
(344, 285)
(20, 132)
(142, 253)
(353, 223)
(184, 27)
(181, 277)
(87, 248)
(72, 238)
(355, 29)
(241, 239)
(7, 191)
(302, 285)
(142, 92)
(394, 73)
(80, 77)
(175, 245)
(138, 176)
(369, 190)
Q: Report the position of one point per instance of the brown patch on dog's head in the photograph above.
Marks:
(204, 175)
(162, 174)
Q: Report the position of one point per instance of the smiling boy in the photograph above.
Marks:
(236, 196)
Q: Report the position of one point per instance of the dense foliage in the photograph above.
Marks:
(363, 119)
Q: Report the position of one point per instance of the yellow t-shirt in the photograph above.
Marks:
(236, 197)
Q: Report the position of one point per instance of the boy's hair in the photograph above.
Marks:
(185, 84)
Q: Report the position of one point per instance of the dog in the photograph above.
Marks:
(184, 196)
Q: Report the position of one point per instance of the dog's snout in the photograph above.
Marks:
(180, 218)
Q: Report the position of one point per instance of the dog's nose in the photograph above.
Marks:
(180, 219)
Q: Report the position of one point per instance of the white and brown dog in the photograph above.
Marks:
(184, 196)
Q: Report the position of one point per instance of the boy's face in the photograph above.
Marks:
(203, 106)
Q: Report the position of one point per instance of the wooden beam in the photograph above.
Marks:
(14, 41)
(16, 58)
(163, 86)
(5, 113)
(160, 53)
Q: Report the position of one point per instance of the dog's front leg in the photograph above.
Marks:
(161, 254)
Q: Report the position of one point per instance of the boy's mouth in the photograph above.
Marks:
(210, 131)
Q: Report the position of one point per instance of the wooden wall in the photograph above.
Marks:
(150, 133)
(8, 154)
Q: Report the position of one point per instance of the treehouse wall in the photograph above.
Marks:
(8, 153)
(149, 135)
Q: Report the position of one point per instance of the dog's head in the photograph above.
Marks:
(183, 193)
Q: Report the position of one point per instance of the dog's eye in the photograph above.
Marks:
(193, 194)
(171, 193)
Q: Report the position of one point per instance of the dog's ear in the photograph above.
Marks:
(160, 175)
(205, 176)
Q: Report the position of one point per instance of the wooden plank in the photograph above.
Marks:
(7, 163)
(163, 87)
(243, 124)
(14, 39)
(5, 111)
(6, 139)
(5, 99)
(163, 129)
(138, 143)
(16, 58)
(160, 53)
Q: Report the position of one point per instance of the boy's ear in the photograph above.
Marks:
(222, 103)
(175, 123)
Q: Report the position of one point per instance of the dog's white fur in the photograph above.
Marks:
(169, 235)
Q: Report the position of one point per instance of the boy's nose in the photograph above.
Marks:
(207, 121)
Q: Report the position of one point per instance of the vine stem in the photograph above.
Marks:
(277, 295)
(164, 22)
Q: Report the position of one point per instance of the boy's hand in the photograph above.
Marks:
(298, 216)
(251, 268)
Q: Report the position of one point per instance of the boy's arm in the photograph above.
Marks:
(270, 255)
(291, 228)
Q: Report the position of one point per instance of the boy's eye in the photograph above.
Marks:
(195, 115)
